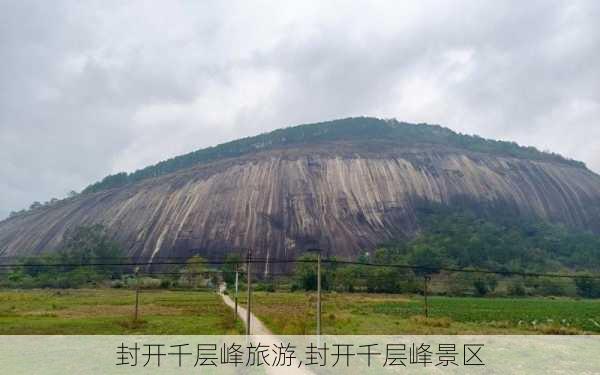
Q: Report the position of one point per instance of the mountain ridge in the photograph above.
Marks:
(345, 199)
(345, 195)
(340, 129)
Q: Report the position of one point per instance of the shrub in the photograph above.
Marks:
(516, 288)
(551, 287)
(165, 284)
(117, 284)
(587, 287)
(485, 284)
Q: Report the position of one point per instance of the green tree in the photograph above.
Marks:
(194, 270)
(516, 288)
(429, 258)
(551, 287)
(305, 274)
(92, 245)
(347, 278)
(232, 261)
(484, 284)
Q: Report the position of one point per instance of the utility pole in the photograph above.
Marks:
(425, 291)
(236, 293)
(318, 251)
(249, 304)
(137, 293)
(319, 293)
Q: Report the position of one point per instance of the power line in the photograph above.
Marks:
(297, 261)
(464, 270)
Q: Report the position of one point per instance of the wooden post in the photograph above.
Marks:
(236, 292)
(318, 251)
(319, 293)
(137, 294)
(425, 292)
(249, 303)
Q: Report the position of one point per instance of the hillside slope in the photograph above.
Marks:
(350, 129)
(342, 194)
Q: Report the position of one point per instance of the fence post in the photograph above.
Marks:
(235, 312)
(318, 251)
(249, 303)
(137, 294)
(425, 292)
(319, 293)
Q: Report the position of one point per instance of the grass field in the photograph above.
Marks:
(294, 313)
(111, 311)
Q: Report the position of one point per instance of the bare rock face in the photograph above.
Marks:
(343, 196)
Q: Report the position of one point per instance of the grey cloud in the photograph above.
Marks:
(91, 88)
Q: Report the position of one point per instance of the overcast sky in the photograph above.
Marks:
(89, 88)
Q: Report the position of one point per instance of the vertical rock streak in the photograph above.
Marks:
(281, 201)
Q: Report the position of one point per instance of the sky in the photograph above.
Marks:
(98, 87)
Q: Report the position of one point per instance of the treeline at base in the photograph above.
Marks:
(451, 238)
(474, 239)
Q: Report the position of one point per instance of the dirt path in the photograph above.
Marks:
(256, 326)
(261, 334)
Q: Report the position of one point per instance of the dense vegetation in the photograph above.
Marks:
(458, 237)
(360, 128)
(89, 258)
(83, 250)
(455, 238)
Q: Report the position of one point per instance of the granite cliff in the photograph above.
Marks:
(345, 185)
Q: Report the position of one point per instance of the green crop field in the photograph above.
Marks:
(346, 313)
(111, 311)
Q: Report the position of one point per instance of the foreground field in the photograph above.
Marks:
(110, 311)
(294, 313)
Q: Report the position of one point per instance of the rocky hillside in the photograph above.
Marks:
(345, 185)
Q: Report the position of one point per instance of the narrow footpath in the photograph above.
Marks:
(261, 334)
(257, 327)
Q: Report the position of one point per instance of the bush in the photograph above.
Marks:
(305, 274)
(461, 284)
(551, 287)
(485, 284)
(117, 284)
(229, 267)
(516, 288)
(265, 286)
(347, 278)
(481, 288)
(165, 284)
(147, 283)
(390, 280)
(587, 287)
